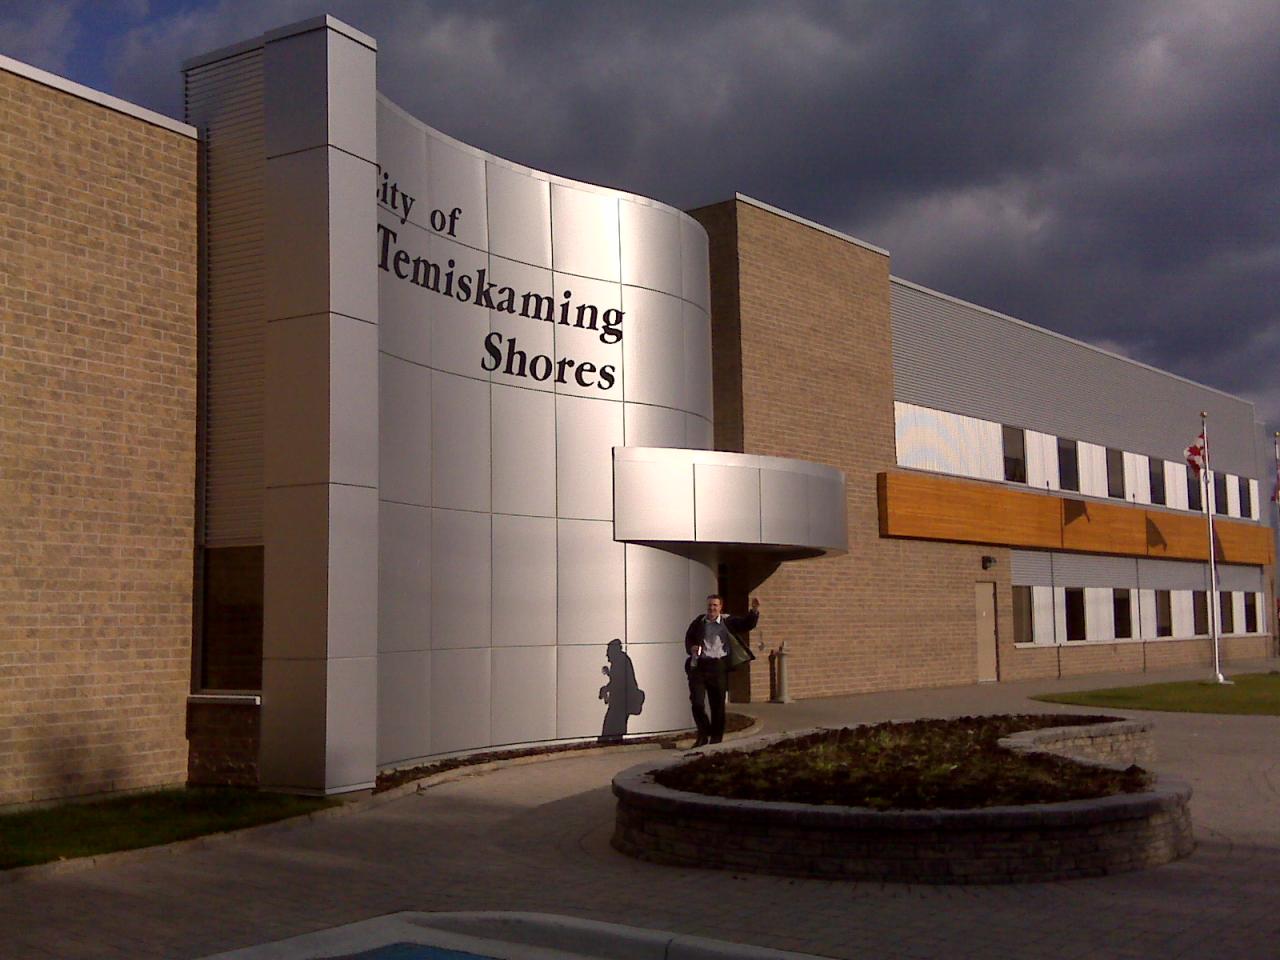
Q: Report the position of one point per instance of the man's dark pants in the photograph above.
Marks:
(708, 681)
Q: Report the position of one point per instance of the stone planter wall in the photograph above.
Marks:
(1038, 842)
(1122, 743)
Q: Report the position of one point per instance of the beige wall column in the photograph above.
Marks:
(320, 512)
(803, 368)
(97, 426)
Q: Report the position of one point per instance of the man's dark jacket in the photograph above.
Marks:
(736, 625)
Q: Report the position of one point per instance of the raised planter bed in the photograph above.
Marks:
(1034, 842)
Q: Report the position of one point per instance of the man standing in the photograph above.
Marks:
(708, 642)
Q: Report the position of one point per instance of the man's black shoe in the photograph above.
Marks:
(700, 742)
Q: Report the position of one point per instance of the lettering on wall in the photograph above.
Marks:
(477, 288)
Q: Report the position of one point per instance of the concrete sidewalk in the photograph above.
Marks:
(535, 838)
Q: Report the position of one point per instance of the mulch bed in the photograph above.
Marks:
(733, 722)
(920, 765)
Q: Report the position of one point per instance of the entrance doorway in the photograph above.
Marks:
(984, 601)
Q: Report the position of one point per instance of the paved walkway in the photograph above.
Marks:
(535, 838)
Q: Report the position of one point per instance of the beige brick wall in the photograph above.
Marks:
(802, 367)
(808, 313)
(97, 445)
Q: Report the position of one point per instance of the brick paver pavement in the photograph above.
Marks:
(536, 838)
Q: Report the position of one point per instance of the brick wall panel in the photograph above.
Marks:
(97, 445)
(809, 315)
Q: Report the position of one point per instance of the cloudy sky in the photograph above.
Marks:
(1110, 170)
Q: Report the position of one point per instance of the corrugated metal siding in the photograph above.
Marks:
(1049, 569)
(1076, 570)
(960, 358)
(1174, 575)
(224, 100)
(1029, 568)
(1248, 579)
(1266, 454)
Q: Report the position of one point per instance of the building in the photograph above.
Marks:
(97, 439)
(1000, 477)
(397, 449)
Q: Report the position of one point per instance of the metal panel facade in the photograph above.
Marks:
(224, 100)
(1047, 568)
(958, 357)
(517, 312)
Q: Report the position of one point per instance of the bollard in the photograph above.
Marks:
(780, 694)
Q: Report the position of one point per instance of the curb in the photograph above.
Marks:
(54, 868)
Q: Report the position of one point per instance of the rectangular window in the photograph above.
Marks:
(1155, 467)
(1251, 613)
(1068, 465)
(1015, 454)
(1075, 614)
(1164, 614)
(1226, 612)
(229, 656)
(1115, 473)
(1194, 500)
(1022, 618)
(1220, 493)
(1200, 611)
(1124, 615)
(1246, 501)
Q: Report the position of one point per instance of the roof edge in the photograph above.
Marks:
(795, 218)
(63, 85)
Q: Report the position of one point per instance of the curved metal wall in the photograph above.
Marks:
(501, 584)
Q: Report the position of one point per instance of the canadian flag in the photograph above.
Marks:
(1195, 454)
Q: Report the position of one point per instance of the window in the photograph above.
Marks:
(1115, 473)
(1164, 614)
(1246, 501)
(1022, 619)
(229, 654)
(1251, 613)
(1124, 615)
(1015, 454)
(1068, 465)
(1155, 467)
(1220, 493)
(1075, 614)
(1226, 611)
(1200, 611)
(1194, 486)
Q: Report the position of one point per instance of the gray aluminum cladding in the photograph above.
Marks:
(957, 357)
(1044, 568)
(528, 325)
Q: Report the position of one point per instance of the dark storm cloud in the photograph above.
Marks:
(1106, 170)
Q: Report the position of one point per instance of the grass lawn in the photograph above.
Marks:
(1255, 693)
(139, 820)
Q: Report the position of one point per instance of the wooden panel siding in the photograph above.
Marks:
(931, 507)
(1243, 543)
(1090, 526)
(1176, 536)
(923, 506)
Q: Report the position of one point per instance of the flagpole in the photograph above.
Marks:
(1215, 602)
